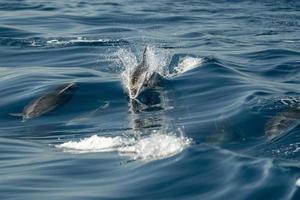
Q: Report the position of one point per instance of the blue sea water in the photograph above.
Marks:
(202, 134)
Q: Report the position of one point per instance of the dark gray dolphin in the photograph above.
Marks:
(142, 76)
(282, 124)
(48, 102)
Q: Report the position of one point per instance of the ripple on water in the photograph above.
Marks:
(231, 71)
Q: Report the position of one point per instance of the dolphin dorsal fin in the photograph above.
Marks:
(144, 58)
(67, 87)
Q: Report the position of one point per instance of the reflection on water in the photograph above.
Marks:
(148, 112)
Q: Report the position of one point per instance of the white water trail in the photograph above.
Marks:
(153, 147)
(67, 41)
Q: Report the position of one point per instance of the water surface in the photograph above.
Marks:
(233, 67)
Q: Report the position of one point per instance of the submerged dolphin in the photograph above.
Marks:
(282, 124)
(142, 76)
(48, 102)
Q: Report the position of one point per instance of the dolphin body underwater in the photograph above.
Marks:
(141, 76)
(48, 102)
(282, 124)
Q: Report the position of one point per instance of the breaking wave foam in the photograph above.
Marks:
(298, 182)
(74, 40)
(60, 42)
(156, 146)
(77, 40)
(95, 143)
(188, 63)
(153, 147)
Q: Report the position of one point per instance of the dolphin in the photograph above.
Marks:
(282, 124)
(142, 76)
(48, 102)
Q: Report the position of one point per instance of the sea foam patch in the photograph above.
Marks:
(74, 40)
(153, 147)
(156, 146)
(95, 143)
(188, 63)
(298, 182)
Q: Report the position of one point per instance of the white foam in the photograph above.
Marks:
(188, 63)
(153, 147)
(34, 43)
(127, 58)
(95, 144)
(129, 61)
(158, 60)
(291, 41)
(74, 40)
(298, 182)
(156, 146)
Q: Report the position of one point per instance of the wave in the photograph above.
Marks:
(270, 54)
(7, 5)
(8, 31)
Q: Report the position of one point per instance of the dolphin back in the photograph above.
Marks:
(49, 101)
(282, 124)
(139, 75)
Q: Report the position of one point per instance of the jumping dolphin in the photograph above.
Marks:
(48, 102)
(142, 76)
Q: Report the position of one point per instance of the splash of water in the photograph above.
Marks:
(158, 61)
(156, 146)
(186, 64)
(153, 147)
(298, 182)
(95, 143)
(129, 61)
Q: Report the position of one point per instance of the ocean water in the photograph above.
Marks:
(222, 123)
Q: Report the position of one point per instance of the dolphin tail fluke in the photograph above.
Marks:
(16, 114)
